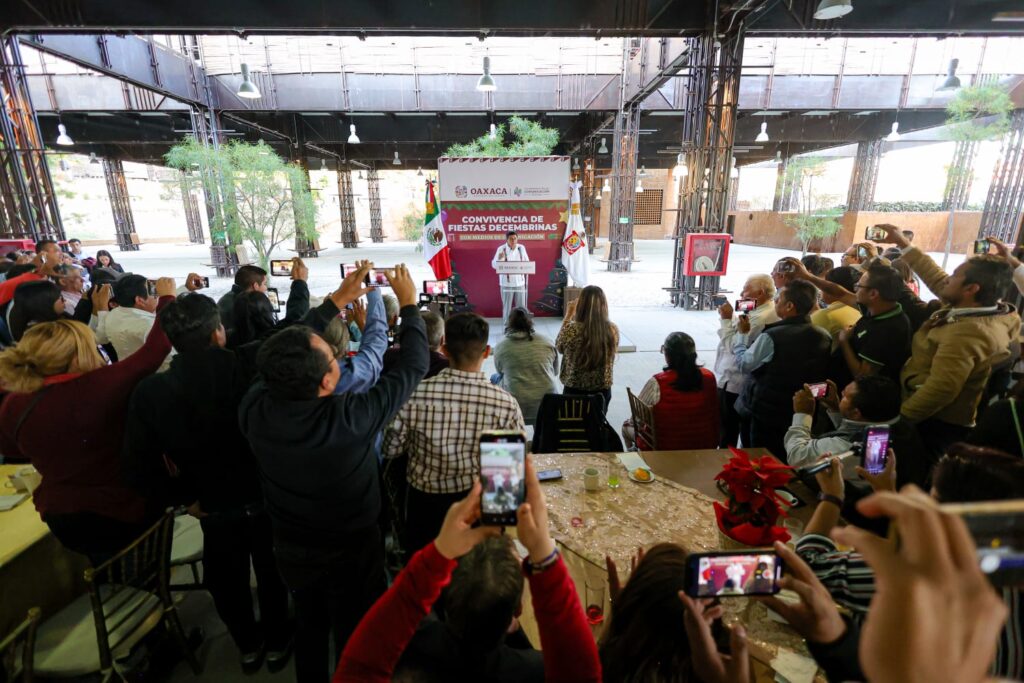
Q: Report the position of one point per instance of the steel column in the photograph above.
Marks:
(709, 126)
(960, 176)
(1004, 206)
(373, 189)
(120, 205)
(28, 206)
(861, 196)
(588, 190)
(623, 205)
(347, 208)
(218, 197)
(734, 189)
(192, 219)
(786, 189)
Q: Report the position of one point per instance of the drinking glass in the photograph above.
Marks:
(614, 471)
(595, 591)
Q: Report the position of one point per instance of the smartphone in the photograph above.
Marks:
(862, 253)
(549, 475)
(275, 301)
(206, 282)
(347, 268)
(377, 278)
(282, 268)
(717, 301)
(435, 287)
(998, 531)
(151, 288)
(503, 476)
(745, 305)
(784, 267)
(875, 453)
(980, 246)
(733, 574)
(818, 390)
(874, 234)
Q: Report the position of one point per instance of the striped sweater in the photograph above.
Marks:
(852, 585)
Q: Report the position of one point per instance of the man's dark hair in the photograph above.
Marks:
(844, 276)
(42, 244)
(20, 269)
(435, 329)
(802, 294)
(877, 398)
(465, 337)
(991, 274)
(12, 255)
(189, 322)
(247, 276)
(510, 233)
(485, 591)
(74, 239)
(290, 366)
(972, 474)
(129, 287)
(886, 280)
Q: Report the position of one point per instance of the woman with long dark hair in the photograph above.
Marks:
(684, 397)
(105, 260)
(527, 363)
(35, 302)
(588, 342)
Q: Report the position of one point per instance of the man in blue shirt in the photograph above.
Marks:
(361, 371)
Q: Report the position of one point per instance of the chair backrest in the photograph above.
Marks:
(119, 587)
(643, 423)
(17, 650)
(573, 424)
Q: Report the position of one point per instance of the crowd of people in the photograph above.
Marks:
(276, 432)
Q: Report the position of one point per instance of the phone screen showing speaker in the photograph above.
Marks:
(745, 305)
(275, 301)
(435, 287)
(281, 268)
(733, 574)
(503, 477)
(876, 448)
(980, 246)
(818, 390)
(378, 278)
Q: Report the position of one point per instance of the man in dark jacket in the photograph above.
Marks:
(247, 279)
(784, 357)
(190, 414)
(320, 474)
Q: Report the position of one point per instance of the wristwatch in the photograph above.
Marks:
(829, 498)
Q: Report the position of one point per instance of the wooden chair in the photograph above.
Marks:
(129, 596)
(643, 423)
(187, 550)
(574, 424)
(18, 649)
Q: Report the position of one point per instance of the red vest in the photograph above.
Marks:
(686, 420)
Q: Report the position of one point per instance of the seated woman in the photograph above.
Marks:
(684, 398)
(39, 302)
(527, 363)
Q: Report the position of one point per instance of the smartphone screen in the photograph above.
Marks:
(549, 475)
(783, 267)
(206, 282)
(717, 301)
(275, 301)
(151, 288)
(818, 390)
(745, 305)
(876, 447)
(733, 574)
(862, 253)
(282, 268)
(998, 531)
(503, 476)
(874, 234)
(378, 278)
(435, 287)
(980, 246)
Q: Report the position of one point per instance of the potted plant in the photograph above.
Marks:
(751, 514)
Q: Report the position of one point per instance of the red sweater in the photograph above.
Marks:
(570, 653)
(7, 287)
(74, 433)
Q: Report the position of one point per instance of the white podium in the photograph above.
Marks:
(524, 268)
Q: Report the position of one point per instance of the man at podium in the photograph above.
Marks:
(513, 285)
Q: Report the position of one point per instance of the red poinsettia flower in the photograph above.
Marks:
(753, 505)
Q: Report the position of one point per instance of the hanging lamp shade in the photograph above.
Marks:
(763, 135)
(576, 164)
(396, 161)
(494, 132)
(833, 9)
(894, 133)
(639, 184)
(486, 83)
(680, 170)
(734, 172)
(603, 149)
(606, 187)
(62, 136)
(248, 89)
(419, 171)
(951, 82)
(323, 164)
(93, 159)
(353, 139)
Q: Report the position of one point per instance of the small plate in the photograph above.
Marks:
(641, 481)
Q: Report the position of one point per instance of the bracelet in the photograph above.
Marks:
(829, 498)
(538, 567)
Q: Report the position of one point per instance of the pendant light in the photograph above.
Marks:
(419, 171)
(62, 136)
(396, 161)
(576, 164)
(832, 9)
(951, 82)
(606, 187)
(353, 139)
(248, 89)
(494, 132)
(734, 172)
(360, 176)
(763, 135)
(323, 164)
(639, 184)
(486, 83)
(93, 159)
(894, 134)
(680, 171)
(603, 149)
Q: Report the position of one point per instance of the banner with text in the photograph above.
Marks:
(484, 198)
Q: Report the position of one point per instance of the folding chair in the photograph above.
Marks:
(18, 649)
(643, 423)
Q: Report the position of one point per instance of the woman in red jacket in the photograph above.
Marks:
(66, 414)
(570, 653)
(685, 400)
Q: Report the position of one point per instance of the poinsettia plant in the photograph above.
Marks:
(754, 507)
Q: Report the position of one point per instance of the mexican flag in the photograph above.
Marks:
(574, 246)
(435, 244)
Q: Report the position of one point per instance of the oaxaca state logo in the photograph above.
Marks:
(461, 192)
(518, 192)
(435, 236)
(573, 243)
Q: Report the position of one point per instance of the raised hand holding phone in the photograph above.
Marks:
(352, 286)
(458, 536)
(815, 617)
(402, 285)
(709, 664)
(165, 286)
(884, 480)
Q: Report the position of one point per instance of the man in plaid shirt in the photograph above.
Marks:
(439, 428)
